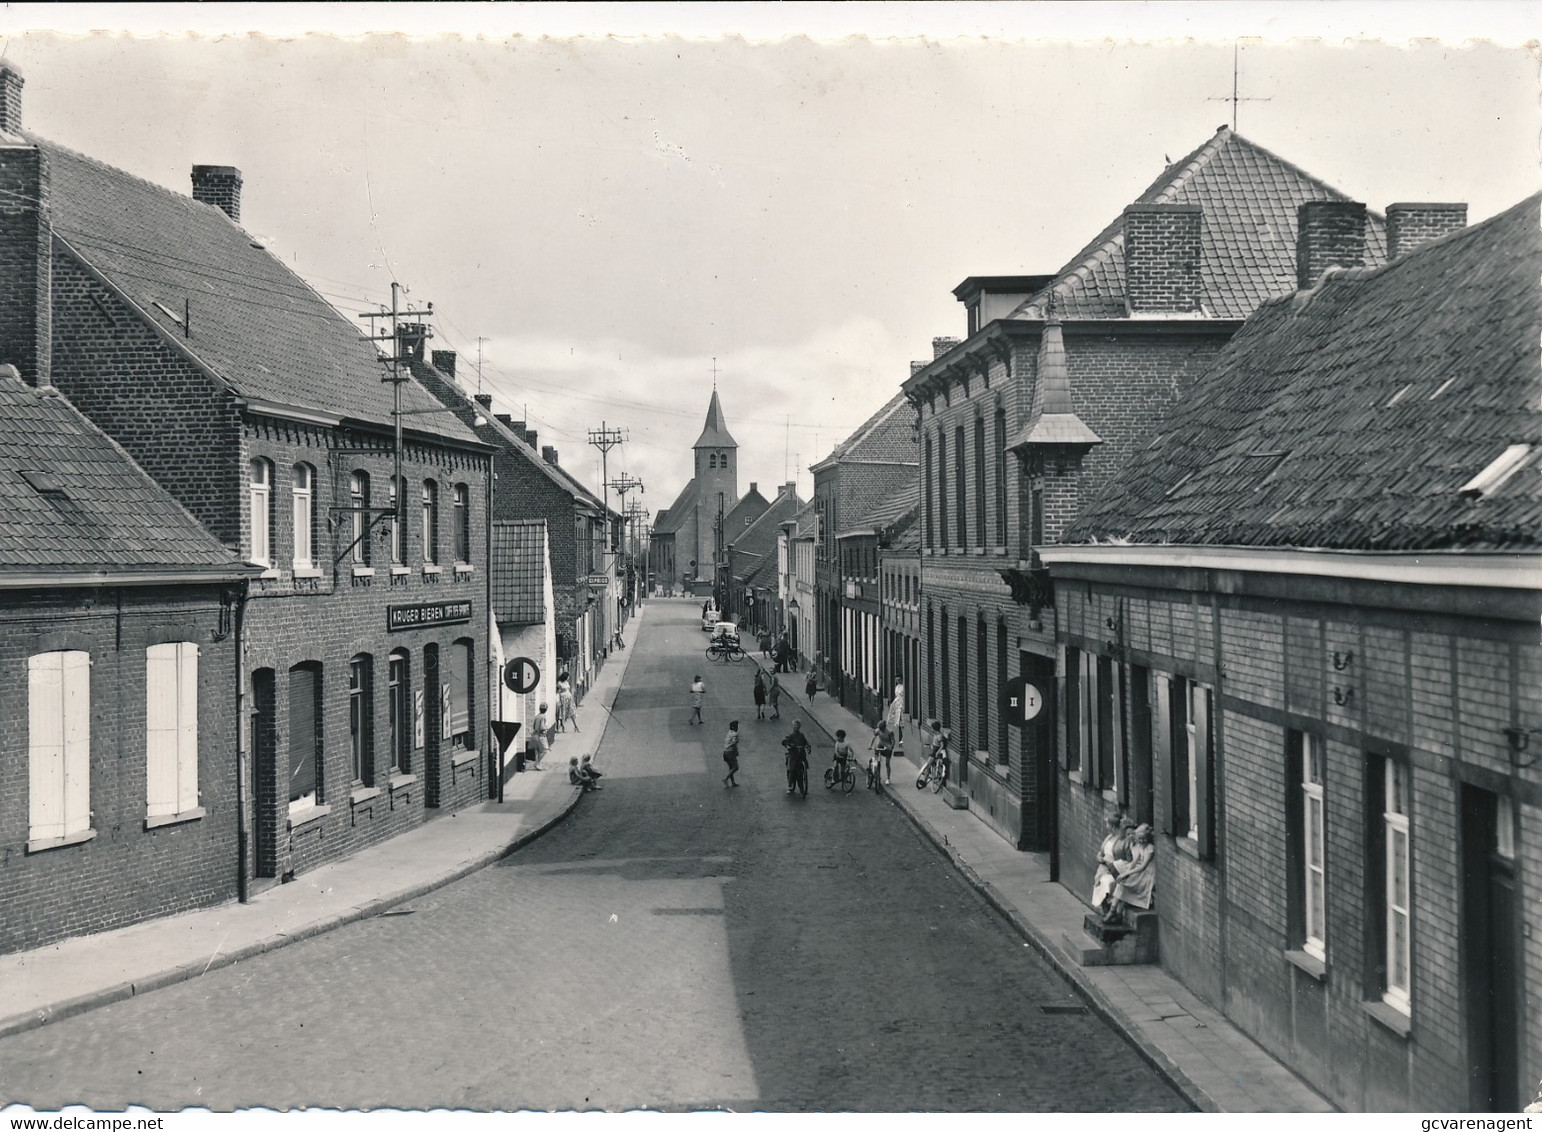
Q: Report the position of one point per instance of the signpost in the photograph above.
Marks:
(1021, 701)
(521, 675)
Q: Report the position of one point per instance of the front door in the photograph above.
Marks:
(1490, 951)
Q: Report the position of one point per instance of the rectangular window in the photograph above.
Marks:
(361, 716)
(1105, 707)
(983, 690)
(58, 744)
(171, 729)
(358, 499)
(982, 536)
(398, 528)
(1001, 477)
(401, 714)
(964, 739)
(1305, 757)
(261, 501)
(942, 490)
(1396, 902)
(462, 523)
(305, 784)
(1184, 731)
(960, 486)
(458, 711)
(1001, 683)
(1036, 517)
(430, 522)
(1075, 723)
(928, 487)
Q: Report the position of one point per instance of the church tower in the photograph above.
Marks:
(717, 482)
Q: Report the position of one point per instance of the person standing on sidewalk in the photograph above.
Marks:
(536, 748)
(896, 715)
(797, 748)
(774, 694)
(811, 685)
(567, 707)
(698, 694)
(760, 695)
(731, 753)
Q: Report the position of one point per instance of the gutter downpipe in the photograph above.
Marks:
(243, 791)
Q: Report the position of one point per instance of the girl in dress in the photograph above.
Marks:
(567, 707)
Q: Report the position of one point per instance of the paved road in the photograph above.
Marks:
(674, 944)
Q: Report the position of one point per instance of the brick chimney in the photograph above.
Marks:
(917, 367)
(549, 454)
(486, 401)
(754, 486)
(504, 418)
(941, 346)
(10, 98)
(1410, 225)
(1329, 233)
(26, 259)
(219, 185)
(444, 361)
(1161, 258)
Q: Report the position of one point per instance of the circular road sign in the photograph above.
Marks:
(1021, 701)
(522, 674)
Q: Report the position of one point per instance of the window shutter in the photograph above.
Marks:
(187, 727)
(417, 717)
(1069, 691)
(446, 712)
(45, 745)
(1203, 771)
(161, 687)
(77, 742)
(1162, 765)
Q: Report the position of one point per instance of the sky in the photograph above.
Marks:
(618, 201)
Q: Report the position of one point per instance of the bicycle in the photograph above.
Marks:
(726, 651)
(843, 772)
(934, 772)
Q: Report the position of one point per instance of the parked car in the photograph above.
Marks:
(725, 629)
(709, 619)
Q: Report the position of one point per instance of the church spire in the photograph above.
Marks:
(715, 434)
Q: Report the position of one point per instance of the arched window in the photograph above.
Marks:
(260, 494)
(430, 521)
(302, 490)
(361, 718)
(462, 523)
(358, 499)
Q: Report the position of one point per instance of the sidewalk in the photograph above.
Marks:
(1208, 1059)
(80, 974)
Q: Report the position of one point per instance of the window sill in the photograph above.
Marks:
(269, 575)
(977, 552)
(1390, 1017)
(42, 844)
(463, 758)
(400, 571)
(1308, 963)
(464, 568)
(307, 572)
(999, 551)
(175, 819)
(363, 571)
(362, 794)
(299, 819)
(430, 568)
(402, 781)
(1187, 846)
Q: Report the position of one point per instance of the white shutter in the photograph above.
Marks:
(187, 726)
(160, 730)
(77, 742)
(446, 713)
(45, 745)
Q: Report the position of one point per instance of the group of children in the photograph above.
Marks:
(796, 747)
(581, 772)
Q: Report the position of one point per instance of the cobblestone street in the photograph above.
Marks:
(674, 944)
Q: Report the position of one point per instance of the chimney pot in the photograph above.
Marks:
(754, 486)
(219, 185)
(549, 454)
(941, 346)
(1410, 225)
(486, 401)
(10, 98)
(503, 418)
(1162, 253)
(444, 361)
(1329, 233)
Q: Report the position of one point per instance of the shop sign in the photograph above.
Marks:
(427, 615)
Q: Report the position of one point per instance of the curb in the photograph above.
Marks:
(1100, 1003)
(92, 1000)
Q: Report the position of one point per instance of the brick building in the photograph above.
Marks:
(1299, 636)
(688, 535)
(797, 547)
(860, 472)
(752, 599)
(869, 666)
(118, 639)
(1139, 312)
(262, 411)
(897, 522)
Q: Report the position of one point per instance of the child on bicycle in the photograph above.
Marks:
(843, 755)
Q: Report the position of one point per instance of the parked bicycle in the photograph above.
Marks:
(726, 649)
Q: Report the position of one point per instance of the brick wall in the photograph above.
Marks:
(1434, 692)
(126, 873)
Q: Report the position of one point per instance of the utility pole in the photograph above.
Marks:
(605, 438)
(621, 485)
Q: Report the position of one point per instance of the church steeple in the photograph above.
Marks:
(715, 434)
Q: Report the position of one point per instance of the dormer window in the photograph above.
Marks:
(1491, 478)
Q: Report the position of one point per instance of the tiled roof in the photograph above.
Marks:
(888, 436)
(897, 508)
(1352, 415)
(72, 501)
(759, 539)
(673, 517)
(1249, 197)
(715, 433)
(253, 322)
(519, 571)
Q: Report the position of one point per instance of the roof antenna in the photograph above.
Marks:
(1235, 98)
